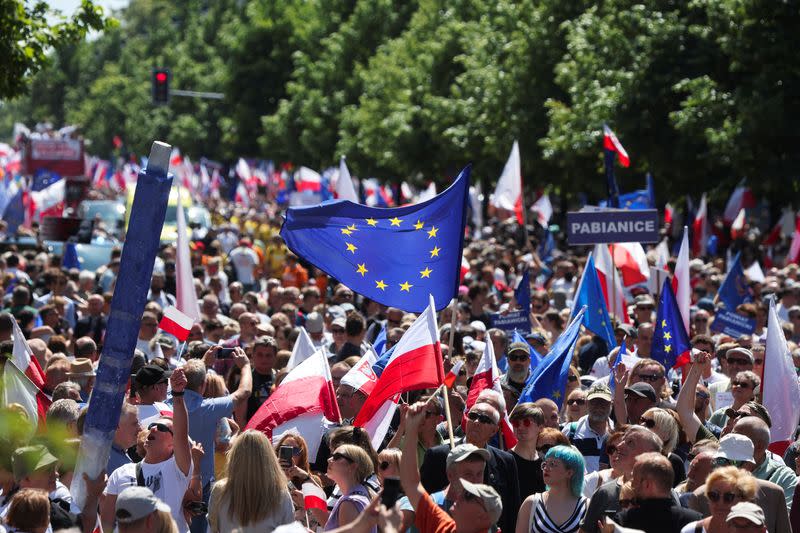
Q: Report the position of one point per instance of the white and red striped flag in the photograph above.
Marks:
(681, 281)
(23, 380)
(779, 385)
(176, 323)
(737, 228)
(303, 349)
(185, 294)
(610, 142)
(314, 497)
(508, 193)
(543, 209)
(452, 375)
(300, 404)
(631, 260)
(700, 229)
(610, 283)
(741, 198)
(487, 376)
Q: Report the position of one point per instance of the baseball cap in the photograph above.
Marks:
(314, 322)
(336, 312)
(599, 391)
(340, 321)
(29, 459)
(462, 451)
(735, 447)
(151, 375)
(519, 347)
(347, 307)
(741, 351)
(477, 325)
(644, 299)
(627, 330)
(748, 511)
(643, 390)
(166, 341)
(134, 503)
(536, 337)
(488, 496)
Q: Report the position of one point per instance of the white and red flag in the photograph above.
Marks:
(700, 229)
(610, 283)
(741, 198)
(681, 280)
(452, 375)
(23, 380)
(415, 363)
(543, 209)
(779, 385)
(303, 349)
(610, 142)
(487, 376)
(185, 294)
(508, 193)
(737, 227)
(300, 404)
(306, 179)
(794, 247)
(176, 323)
(631, 260)
(314, 497)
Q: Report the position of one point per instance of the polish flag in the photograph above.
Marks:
(452, 376)
(700, 229)
(314, 497)
(100, 178)
(175, 159)
(681, 282)
(185, 294)
(508, 193)
(610, 282)
(464, 267)
(302, 350)
(487, 376)
(669, 212)
(416, 363)
(242, 194)
(741, 198)
(630, 259)
(794, 247)
(243, 170)
(662, 254)
(610, 142)
(543, 209)
(23, 380)
(306, 179)
(362, 377)
(737, 228)
(300, 404)
(344, 183)
(779, 385)
(176, 323)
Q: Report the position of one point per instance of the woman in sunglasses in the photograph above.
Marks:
(576, 405)
(562, 507)
(725, 487)
(527, 421)
(660, 422)
(348, 467)
(743, 390)
(594, 480)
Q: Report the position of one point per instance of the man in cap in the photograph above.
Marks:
(135, 510)
(746, 517)
(639, 397)
(737, 359)
(315, 327)
(589, 433)
(81, 371)
(519, 366)
(644, 305)
(477, 508)
(151, 390)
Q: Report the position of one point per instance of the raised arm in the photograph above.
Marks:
(621, 380)
(409, 470)
(245, 388)
(685, 403)
(180, 422)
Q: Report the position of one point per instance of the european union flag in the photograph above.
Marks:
(522, 294)
(590, 295)
(734, 290)
(536, 357)
(641, 199)
(670, 340)
(549, 380)
(70, 259)
(397, 257)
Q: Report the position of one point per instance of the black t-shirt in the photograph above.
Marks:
(262, 387)
(530, 476)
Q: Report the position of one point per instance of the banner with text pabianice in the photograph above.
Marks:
(601, 226)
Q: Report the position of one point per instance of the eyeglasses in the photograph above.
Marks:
(337, 331)
(736, 361)
(726, 497)
(576, 401)
(701, 320)
(721, 461)
(518, 357)
(384, 465)
(650, 377)
(480, 417)
(547, 465)
(517, 422)
(572, 378)
(163, 428)
(337, 456)
(743, 384)
(544, 448)
(649, 423)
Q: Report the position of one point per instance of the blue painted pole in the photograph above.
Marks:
(127, 305)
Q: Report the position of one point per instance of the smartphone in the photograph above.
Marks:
(391, 491)
(196, 508)
(285, 455)
(225, 353)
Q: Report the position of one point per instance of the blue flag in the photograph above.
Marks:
(670, 340)
(641, 199)
(547, 247)
(14, 213)
(590, 295)
(380, 341)
(43, 179)
(734, 290)
(549, 380)
(397, 257)
(522, 294)
(71, 259)
(536, 357)
(623, 349)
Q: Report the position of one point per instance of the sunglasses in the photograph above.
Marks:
(337, 456)
(518, 357)
(649, 423)
(544, 448)
(735, 361)
(726, 497)
(721, 461)
(384, 465)
(701, 320)
(163, 428)
(650, 377)
(743, 384)
(576, 401)
(480, 417)
(572, 378)
(526, 422)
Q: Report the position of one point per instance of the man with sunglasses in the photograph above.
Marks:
(737, 359)
(501, 471)
(167, 464)
(519, 366)
(589, 434)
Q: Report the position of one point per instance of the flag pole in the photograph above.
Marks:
(454, 305)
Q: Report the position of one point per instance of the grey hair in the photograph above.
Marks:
(64, 411)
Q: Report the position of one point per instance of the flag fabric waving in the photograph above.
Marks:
(779, 386)
(344, 184)
(611, 143)
(681, 282)
(610, 283)
(670, 339)
(700, 229)
(613, 148)
(590, 296)
(522, 293)
(415, 363)
(631, 260)
(487, 376)
(549, 380)
(734, 290)
(508, 193)
(185, 293)
(176, 323)
(303, 349)
(396, 256)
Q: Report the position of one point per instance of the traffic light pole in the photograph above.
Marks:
(196, 94)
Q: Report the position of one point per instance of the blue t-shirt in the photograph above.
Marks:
(204, 415)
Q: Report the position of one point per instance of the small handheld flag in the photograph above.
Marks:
(176, 323)
(671, 345)
(590, 296)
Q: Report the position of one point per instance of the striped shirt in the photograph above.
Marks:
(541, 522)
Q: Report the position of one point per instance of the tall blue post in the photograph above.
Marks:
(127, 305)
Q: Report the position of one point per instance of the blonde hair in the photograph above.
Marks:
(743, 480)
(165, 522)
(254, 484)
(29, 509)
(215, 386)
(666, 428)
(360, 458)
(665, 391)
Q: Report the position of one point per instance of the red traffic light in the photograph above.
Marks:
(161, 77)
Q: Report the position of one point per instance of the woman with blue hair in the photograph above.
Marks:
(561, 508)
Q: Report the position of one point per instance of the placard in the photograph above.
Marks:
(609, 226)
(730, 323)
(519, 320)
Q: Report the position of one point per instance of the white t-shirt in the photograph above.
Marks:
(151, 413)
(244, 260)
(165, 479)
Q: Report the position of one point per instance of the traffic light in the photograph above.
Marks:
(160, 86)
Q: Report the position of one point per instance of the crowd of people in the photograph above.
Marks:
(647, 449)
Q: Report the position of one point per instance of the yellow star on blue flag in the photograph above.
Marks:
(381, 253)
(670, 340)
